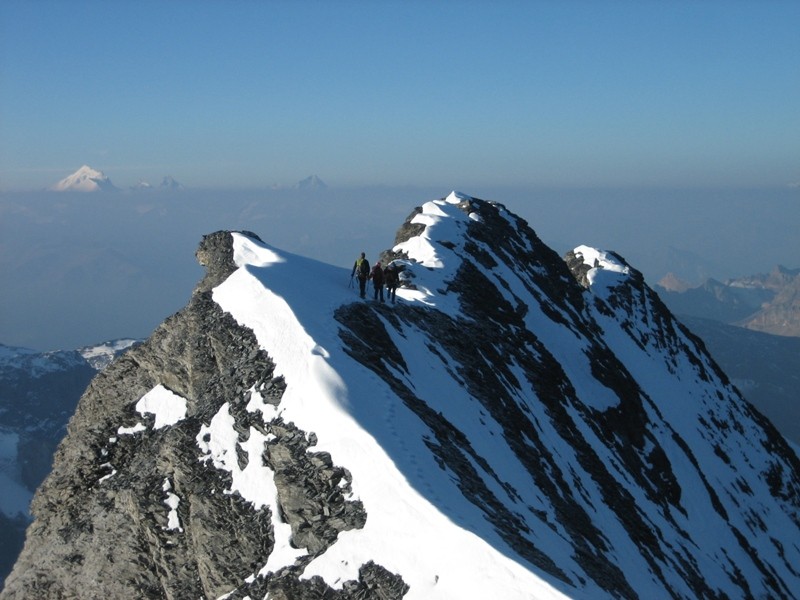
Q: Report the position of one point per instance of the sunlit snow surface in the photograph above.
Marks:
(606, 270)
(172, 501)
(167, 408)
(165, 405)
(289, 302)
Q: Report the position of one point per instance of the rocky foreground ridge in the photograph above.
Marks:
(551, 409)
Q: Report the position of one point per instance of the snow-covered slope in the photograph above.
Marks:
(516, 426)
(85, 179)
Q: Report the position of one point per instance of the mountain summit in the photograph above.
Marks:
(312, 182)
(516, 426)
(169, 183)
(85, 179)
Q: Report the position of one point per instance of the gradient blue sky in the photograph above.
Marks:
(450, 94)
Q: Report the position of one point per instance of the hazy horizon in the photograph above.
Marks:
(667, 131)
(85, 268)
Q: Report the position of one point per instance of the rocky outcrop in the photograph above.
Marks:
(103, 525)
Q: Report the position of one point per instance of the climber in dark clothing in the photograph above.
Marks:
(392, 279)
(377, 280)
(361, 270)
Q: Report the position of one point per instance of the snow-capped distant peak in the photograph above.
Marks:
(312, 182)
(101, 355)
(169, 183)
(85, 179)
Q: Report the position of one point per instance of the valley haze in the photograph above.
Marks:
(88, 267)
(667, 131)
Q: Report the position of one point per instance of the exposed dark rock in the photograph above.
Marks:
(408, 229)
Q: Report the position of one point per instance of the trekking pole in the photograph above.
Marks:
(351, 281)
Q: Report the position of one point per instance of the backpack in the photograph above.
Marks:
(377, 275)
(362, 268)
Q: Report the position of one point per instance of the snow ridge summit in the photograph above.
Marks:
(517, 426)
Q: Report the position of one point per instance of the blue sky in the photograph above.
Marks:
(450, 94)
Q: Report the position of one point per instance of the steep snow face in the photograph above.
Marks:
(509, 433)
(729, 449)
(85, 179)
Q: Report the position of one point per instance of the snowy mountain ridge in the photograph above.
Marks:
(35, 363)
(312, 182)
(100, 355)
(88, 179)
(517, 425)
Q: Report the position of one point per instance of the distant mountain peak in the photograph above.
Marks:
(673, 283)
(169, 183)
(85, 179)
(142, 185)
(312, 182)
